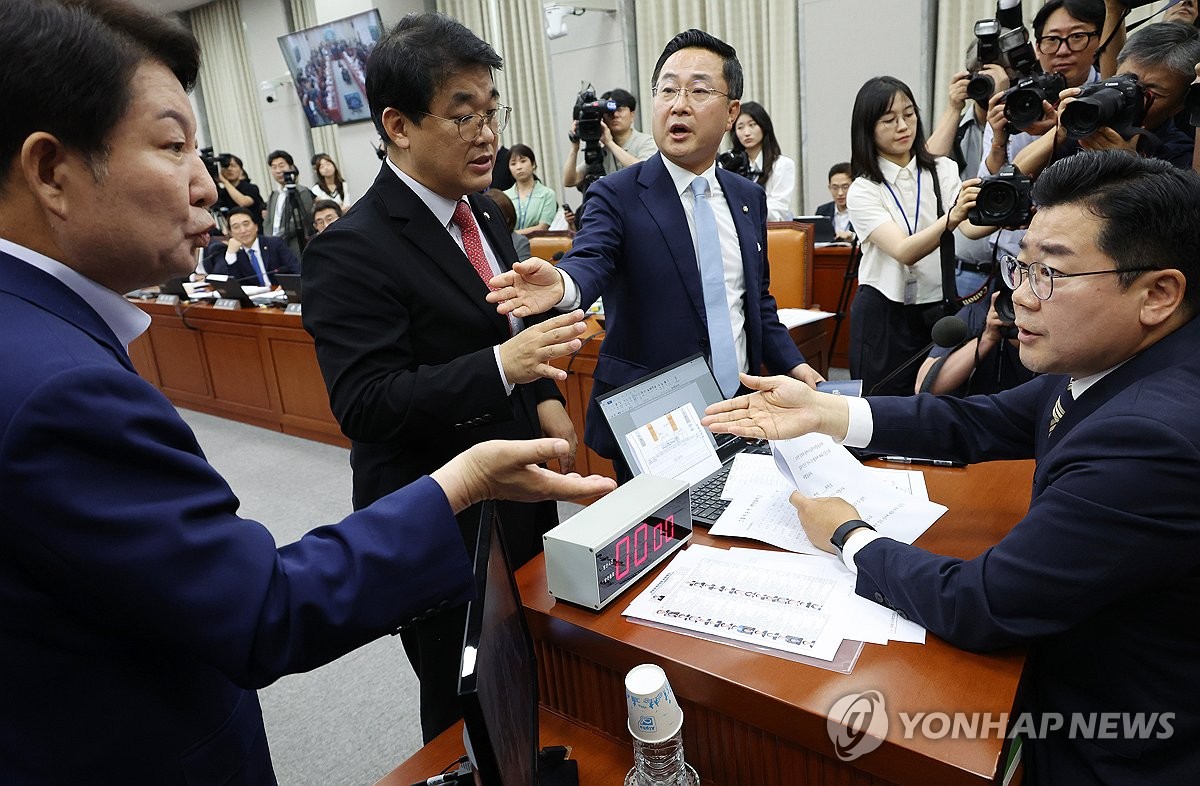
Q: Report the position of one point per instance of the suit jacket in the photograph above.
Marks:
(1100, 579)
(277, 257)
(828, 209)
(288, 229)
(634, 249)
(405, 342)
(138, 612)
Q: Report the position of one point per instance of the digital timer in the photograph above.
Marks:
(597, 553)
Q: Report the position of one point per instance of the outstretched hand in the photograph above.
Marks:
(527, 355)
(781, 408)
(531, 287)
(508, 469)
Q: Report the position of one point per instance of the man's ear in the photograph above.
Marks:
(1163, 292)
(48, 167)
(398, 126)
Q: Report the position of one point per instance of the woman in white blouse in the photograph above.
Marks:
(893, 205)
(755, 134)
(329, 181)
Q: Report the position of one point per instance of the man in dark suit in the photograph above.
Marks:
(290, 208)
(1101, 577)
(679, 273)
(418, 365)
(835, 210)
(139, 611)
(249, 257)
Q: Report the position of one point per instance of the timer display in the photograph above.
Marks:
(639, 548)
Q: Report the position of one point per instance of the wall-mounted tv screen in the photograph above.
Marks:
(328, 64)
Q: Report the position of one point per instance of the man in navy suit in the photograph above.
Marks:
(648, 244)
(840, 178)
(249, 257)
(138, 611)
(1100, 578)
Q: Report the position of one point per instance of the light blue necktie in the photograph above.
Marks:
(716, 302)
(258, 268)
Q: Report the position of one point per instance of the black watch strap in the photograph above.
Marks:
(838, 539)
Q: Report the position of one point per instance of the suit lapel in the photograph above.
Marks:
(662, 204)
(417, 225)
(748, 234)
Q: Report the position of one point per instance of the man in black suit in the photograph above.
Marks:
(835, 210)
(418, 364)
(249, 257)
(286, 199)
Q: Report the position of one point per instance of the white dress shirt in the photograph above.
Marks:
(779, 187)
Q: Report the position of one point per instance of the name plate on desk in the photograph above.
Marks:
(227, 304)
(597, 553)
(292, 308)
(167, 300)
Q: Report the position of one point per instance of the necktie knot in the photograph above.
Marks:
(700, 187)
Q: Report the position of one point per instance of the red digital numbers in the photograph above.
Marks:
(643, 542)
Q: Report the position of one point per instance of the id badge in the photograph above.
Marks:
(910, 291)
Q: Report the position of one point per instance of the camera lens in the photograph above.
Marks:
(1024, 107)
(997, 200)
(980, 88)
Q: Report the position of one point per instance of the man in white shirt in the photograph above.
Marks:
(289, 210)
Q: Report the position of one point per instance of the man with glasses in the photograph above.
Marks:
(676, 245)
(623, 144)
(1100, 578)
(840, 179)
(418, 365)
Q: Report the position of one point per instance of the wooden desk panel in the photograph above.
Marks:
(751, 718)
(829, 271)
(257, 366)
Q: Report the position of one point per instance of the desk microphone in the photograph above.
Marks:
(947, 332)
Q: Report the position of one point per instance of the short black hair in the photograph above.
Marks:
(871, 103)
(326, 204)
(842, 168)
(242, 211)
(415, 58)
(285, 155)
(1150, 210)
(69, 65)
(699, 39)
(1090, 12)
(622, 97)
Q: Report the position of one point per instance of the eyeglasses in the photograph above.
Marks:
(909, 116)
(699, 96)
(1041, 276)
(837, 189)
(1076, 42)
(471, 126)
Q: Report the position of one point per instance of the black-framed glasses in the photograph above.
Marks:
(1076, 42)
(698, 95)
(471, 126)
(1041, 276)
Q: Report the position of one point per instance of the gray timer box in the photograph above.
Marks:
(594, 555)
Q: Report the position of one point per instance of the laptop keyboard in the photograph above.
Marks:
(707, 505)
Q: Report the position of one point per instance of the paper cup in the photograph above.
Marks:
(654, 714)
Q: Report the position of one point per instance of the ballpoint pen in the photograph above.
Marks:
(931, 462)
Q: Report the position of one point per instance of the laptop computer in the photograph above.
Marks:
(822, 228)
(291, 284)
(231, 290)
(632, 406)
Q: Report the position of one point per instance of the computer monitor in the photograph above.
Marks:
(498, 679)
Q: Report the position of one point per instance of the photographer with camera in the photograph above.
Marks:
(234, 188)
(605, 126)
(989, 362)
(289, 212)
(959, 131)
(1132, 111)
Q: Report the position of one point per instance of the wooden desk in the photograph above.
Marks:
(829, 270)
(602, 762)
(257, 366)
(751, 719)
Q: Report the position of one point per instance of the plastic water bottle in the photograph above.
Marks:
(661, 764)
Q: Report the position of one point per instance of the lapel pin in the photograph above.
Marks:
(745, 209)
(487, 215)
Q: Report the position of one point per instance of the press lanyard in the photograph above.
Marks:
(521, 213)
(917, 212)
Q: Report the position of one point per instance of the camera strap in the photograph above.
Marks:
(946, 246)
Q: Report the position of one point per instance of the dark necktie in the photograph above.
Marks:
(1061, 405)
(258, 268)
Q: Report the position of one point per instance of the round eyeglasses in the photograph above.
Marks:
(1041, 276)
(471, 126)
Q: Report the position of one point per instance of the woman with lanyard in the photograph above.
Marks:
(535, 203)
(900, 203)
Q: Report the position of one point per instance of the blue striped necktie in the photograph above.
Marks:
(716, 301)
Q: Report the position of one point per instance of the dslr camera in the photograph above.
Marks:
(1118, 103)
(987, 48)
(736, 161)
(1005, 200)
(1023, 101)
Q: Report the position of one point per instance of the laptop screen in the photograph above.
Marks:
(628, 408)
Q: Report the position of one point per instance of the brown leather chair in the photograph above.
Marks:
(546, 243)
(790, 252)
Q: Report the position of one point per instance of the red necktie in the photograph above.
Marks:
(472, 243)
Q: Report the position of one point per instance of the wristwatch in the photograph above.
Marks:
(838, 539)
